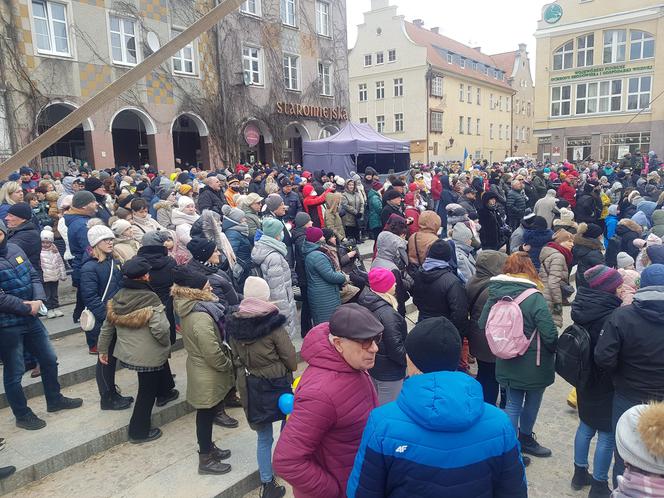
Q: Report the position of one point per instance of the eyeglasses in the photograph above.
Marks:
(367, 343)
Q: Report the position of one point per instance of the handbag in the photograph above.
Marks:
(263, 398)
(88, 320)
(567, 290)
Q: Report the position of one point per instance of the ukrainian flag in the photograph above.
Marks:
(467, 163)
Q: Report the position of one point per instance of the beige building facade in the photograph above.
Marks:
(598, 79)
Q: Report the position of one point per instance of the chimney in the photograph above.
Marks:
(435, 30)
(379, 4)
(522, 47)
(418, 22)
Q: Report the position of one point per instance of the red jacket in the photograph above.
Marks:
(567, 192)
(436, 187)
(317, 446)
(313, 205)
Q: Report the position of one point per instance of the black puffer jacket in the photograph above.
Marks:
(590, 309)
(27, 238)
(161, 278)
(490, 221)
(587, 253)
(212, 200)
(440, 292)
(631, 347)
(221, 284)
(629, 231)
(299, 237)
(588, 208)
(391, 357)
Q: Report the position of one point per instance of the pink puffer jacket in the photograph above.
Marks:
(53, 267)
(317, 447)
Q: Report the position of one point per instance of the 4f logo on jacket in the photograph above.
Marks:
(401, 449)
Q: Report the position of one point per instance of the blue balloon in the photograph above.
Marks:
(286, 403)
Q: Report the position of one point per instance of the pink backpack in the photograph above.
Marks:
(504, 328)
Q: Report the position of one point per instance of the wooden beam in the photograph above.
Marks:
(115, 89)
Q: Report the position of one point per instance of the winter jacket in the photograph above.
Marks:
(553, 273)
(540, 185)
(277, 274)
(165, 214)
(260, 343)
(253, 222)
(489, 264)
(590, 309)
(137, 318)
(313, 206)
(240, 243)
(567, 192)
(631, 347)
(221, 284)
(52, 265)
(631, 283)
(323, 283)
(523, 372)
(658, 223)
(436, 187)
(429, 223)
(391, 357)
(161, 277)
(212, 200)
(299, 238)
(183, 223)
(332, 219)
(516, 205)
(26, 236)
(588, 208)
(374, 208)
(209, 362)
(77, 234)
(465, 260)
(354, 207)
(438, 439)
(611, 223)
(293, 204)
(19, 282)
(547, 208)
(440, 292)
(141, 226)
(332, 405)
(391, 255)
(94, 279)
(387, 211)
(125, 249)
(587, 253)
(491, 223)
(629, 231)
(536, 239)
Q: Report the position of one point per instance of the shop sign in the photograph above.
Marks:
(597, 72)
(555, 151)
(553, 13)
(312, 111)
(252, 135)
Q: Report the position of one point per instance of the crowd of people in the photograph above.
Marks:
(225, 258)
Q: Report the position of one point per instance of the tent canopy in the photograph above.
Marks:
(339, 153)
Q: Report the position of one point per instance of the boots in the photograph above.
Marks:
(272, 489)
(224, 420)
(599, 489)
(208, 465)
(582, 478)
(115, 401)
(530, 445)
(219, 454)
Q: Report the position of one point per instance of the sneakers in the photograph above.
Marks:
(64, 403)
(116, 402)
(93, 350)
(530, 445)
(50, 314)
(174, 394)
(30, 422)
(272, 489)
(224, 420)
(581, 478)
(208, 465)
(220, 454)
(58, 313)
(599, 489)
(152, 435)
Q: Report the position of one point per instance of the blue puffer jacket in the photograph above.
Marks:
(323, 283)
(77, 233)
(241, 246)
(438, 439)
(94, 277)
(19, 282)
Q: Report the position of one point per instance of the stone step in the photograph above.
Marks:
(64, 325)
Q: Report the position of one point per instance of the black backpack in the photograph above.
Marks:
(614, 247)
(574, 356)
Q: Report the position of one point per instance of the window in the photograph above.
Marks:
(500, 102)
(380, 90)
(529, 109)
(469, 94)
(252, 7)
(507, 132)
(500, 132)
(252, 64)
(363, 120)
(51, 27)
(380, 124)
(642, 45)
(517, 134)
(436, 122)
(380, 58)
(491, 131)
(288, 12)
(461, 125)
(527, 137)
(123, 40)
(561, 100)
(615, 41)
(398, 87)
(491, 101)
(363, 92)
(461, 95)
(585, 50)
(479, 96)
(450, 58)
(183, 61)
(398, 122)
(437, 86)
(563, 58)
(291, 72)
(322, 18)
(469, 126)
(508, 101)
(610, 96)
(367, 60)
(462, 63)
(392, 56)
(638, 93)
(477, 127)
(325, 78)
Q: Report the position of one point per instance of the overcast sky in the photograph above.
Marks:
(494, 26)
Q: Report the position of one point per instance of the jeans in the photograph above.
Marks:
(603, 450)
(264, 452)
(33, 336)
(486, 375)
(522, 408)
(151, 385)
(388, 390)
(620, 405)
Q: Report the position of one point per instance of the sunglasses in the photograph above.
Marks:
(367, 343)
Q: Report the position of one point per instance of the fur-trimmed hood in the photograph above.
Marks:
(580, 240)
(163, 205)
(631, 225)
(185, 298)
(248, 329)
(132, 308)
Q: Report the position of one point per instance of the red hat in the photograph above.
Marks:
(381, 280)
(314, 234)
(306, 174)
(413, 187)
(409, 199)
(306, 191)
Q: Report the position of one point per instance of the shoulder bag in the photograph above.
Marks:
(88, 320)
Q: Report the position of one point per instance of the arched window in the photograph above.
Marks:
(642, 45)
(563, 57)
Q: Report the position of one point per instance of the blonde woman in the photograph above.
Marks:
(11, 193)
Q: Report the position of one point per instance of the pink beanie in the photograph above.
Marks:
(381, 280)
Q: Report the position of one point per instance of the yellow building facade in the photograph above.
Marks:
(599, 79)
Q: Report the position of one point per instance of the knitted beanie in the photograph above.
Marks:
(302, 219)
(434, 345)
(98, 233)
(256, 287)
(381, 280)
(603, 278)
(82, 198)
(639, 436)
(21, 210)
(314, 234)
(652, 276)
(201, 249)
(624, 261)
(656, 254)
(273, 202)
(440, 250)
(47, 235)
(234, 214)
(592, 231)
(120, 227)
(185, 201)
(272, 227)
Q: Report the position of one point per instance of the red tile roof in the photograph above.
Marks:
(505, 61)
(432, 41)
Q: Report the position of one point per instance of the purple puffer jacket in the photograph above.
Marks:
(317, 447)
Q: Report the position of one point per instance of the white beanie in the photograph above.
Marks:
(624, 261)
(184, 201)
(256, 287)
(630, 436)
(120, 227)
(47, 234)
(98, 233)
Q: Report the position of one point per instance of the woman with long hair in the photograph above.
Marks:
(11, 193)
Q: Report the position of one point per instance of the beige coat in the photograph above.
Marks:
(125, 249)
(553, 273)
(419, 243)
(332, 218)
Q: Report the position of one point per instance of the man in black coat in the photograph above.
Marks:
(392, 200)
(212, 197)
(517, 202)
(589, 204)
(491, 222)
(24, 233)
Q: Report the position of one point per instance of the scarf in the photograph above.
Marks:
(562, 250)
(229, 224)
(636, 485)
(273, 243)
(216, 311)
(252, 306)
(392, 301)
(435, 264)
(332, 256)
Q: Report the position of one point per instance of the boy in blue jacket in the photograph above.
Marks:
(438, 438)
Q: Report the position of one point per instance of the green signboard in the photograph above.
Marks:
(553, 13)
(598, 72)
